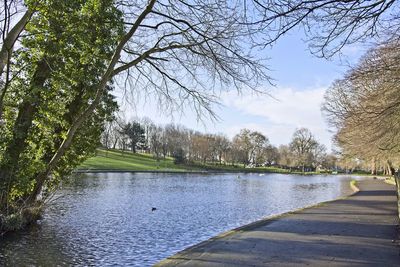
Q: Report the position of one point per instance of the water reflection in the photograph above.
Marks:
(107, 218)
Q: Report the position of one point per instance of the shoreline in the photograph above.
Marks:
(212, 171)
(196, 171)
(197, 251)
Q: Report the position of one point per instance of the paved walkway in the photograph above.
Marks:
(358, 231)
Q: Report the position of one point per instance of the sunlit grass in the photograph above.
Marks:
(118, 160)
(128, 161)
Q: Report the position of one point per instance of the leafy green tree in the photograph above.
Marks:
(135, 132)
(179, 156)
(64, 59)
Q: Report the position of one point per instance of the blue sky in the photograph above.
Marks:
(301, 80)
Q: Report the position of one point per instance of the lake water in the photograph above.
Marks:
(107, 219)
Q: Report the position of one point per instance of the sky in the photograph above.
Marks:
(300, 81)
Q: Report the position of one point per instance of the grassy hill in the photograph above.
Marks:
(127, 161)
(118, 160)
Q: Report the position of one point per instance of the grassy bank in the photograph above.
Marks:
(127, 161)
(117, 160)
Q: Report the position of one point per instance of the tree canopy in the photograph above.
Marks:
(364, 106)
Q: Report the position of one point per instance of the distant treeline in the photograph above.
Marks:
(248, 148)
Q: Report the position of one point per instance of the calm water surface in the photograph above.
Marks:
(107, 219)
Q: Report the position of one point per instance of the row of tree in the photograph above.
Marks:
(250, 148)
(364, 107)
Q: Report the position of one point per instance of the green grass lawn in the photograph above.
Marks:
(127, 161)
(118, 160)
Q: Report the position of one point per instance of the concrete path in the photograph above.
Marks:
(360, 230)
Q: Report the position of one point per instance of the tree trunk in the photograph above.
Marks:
(390, 169)
(133, 147)
(373, 167)
(8, 46)
(115, 143)
(23, 123)
(15, 148)
(397, 179)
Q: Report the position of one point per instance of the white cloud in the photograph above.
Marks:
(290, 110)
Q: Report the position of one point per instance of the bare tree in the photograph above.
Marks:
(148, 125)
(156, 141)
(242, 146)
(271, 155)
(303, 146)
(221, 147)
(259, 143)
(201, 147)
(286, 157)
(364, 107)
(329, 25)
